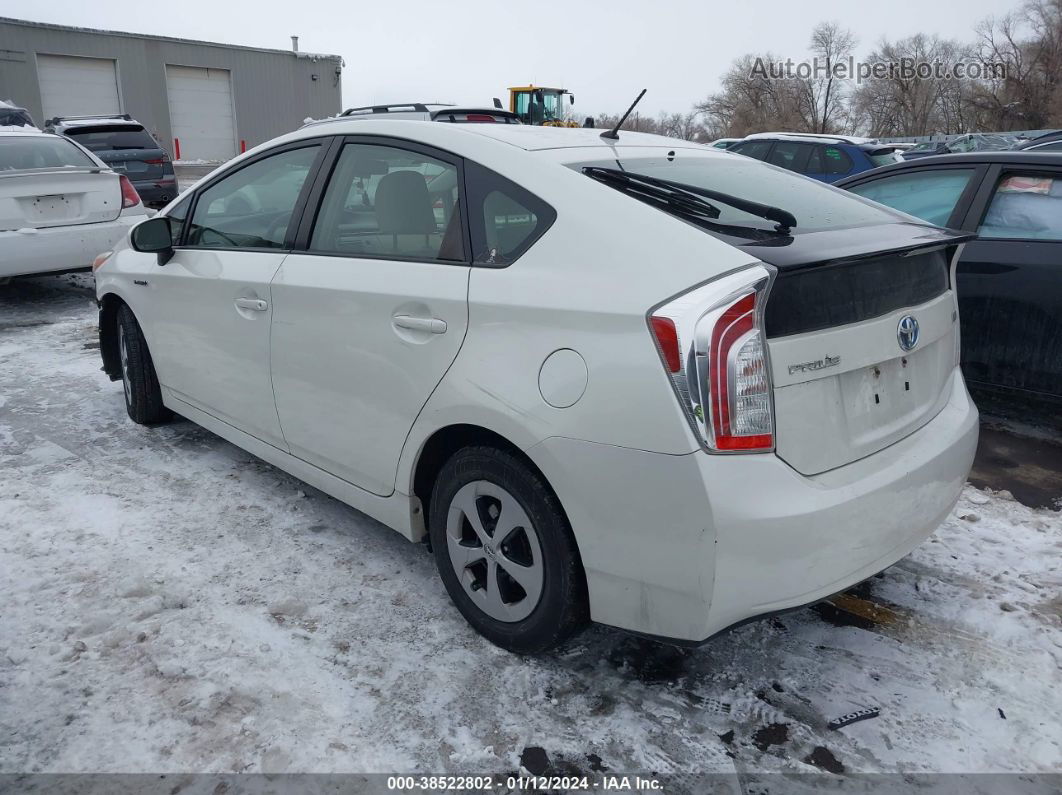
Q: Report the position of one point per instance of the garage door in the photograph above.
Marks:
(75, 86)
(201, 112)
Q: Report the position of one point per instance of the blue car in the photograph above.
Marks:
(826, 158)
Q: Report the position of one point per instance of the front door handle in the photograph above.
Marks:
(432, 325)
(254, 304)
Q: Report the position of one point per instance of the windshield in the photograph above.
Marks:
(814, 205)
(14, 117)
(25, 152)
(112, 136)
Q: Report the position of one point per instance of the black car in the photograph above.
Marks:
(1048, 142)
(1010, 278)
(122, 143)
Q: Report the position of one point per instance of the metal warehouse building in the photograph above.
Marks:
(202, 101)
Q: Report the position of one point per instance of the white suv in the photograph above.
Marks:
(638, 381)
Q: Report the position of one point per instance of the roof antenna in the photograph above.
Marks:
(613, 133)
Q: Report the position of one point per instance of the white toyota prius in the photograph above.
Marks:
(636, 380)
(60, 205)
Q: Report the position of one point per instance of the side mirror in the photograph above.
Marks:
(153, 236)
(497, 103)
(571, 99)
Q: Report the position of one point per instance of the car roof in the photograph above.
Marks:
(522, 136)
(814, 138)
(532, 138)
(1007, 157)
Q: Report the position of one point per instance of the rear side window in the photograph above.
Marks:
(1025, 207)
(25, 152)
(506, 219)
(835, 160)
(105, 138)
(929, 195)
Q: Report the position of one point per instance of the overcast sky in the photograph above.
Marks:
(469, 51)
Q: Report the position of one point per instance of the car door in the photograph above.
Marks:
(209, 325)
(1010, 281)
(371, 311)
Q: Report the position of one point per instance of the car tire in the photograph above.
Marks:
(143, 396)
(477, 564)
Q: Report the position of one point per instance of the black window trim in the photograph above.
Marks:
(994, 174)
(962, 205)
(322, 142)
(315, 197)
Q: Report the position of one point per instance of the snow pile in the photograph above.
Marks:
(171, 603)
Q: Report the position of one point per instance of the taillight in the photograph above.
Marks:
(712, 344)
(100, 259)
(130, 198)
(158, 161)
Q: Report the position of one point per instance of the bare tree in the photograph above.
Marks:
(825, 95)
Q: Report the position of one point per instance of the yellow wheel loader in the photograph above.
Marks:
(540, 106)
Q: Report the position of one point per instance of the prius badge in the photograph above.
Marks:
(818, 364)
(907, 332)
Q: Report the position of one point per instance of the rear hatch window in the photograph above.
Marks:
(112, 137)
(884, 157)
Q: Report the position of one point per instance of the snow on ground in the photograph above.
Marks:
(170, 603)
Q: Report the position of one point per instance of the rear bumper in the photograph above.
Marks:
(157, 192)
(683, 547)
(60, 248)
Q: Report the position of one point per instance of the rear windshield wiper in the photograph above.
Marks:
(680, 201)
(638, 182)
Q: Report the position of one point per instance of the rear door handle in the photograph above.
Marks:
(432, 325)
(254, 304)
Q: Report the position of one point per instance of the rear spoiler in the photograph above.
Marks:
(36, 172)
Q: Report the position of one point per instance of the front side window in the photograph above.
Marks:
(383, 201)
(27, 152)
(1025, 207)
(177, 214)
(252, 207)
(929, 195)
(791, 155)
(754, 149)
